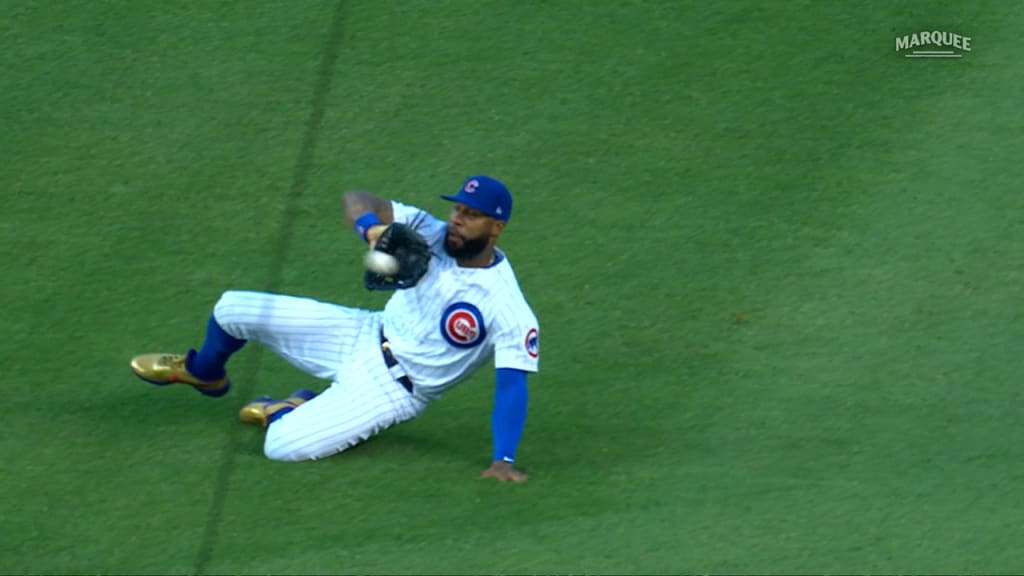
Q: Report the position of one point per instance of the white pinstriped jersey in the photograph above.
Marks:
(456, 319)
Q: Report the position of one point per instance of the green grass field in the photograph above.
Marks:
(778, 268)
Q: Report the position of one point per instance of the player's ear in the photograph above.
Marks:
(496, 227)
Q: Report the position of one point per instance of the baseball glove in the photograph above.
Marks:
(413, 255)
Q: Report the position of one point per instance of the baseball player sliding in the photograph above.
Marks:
(456, 305)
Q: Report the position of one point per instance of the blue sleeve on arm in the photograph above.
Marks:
(509, 416)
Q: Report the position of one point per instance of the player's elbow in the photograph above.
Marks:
(350, 196)
(359, 198)
(350, 201)
(355, 203)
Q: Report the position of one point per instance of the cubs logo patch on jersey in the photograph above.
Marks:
(532, 343)
(462, 325)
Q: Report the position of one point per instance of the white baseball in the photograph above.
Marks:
(381, 263)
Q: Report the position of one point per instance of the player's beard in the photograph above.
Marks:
(470, 247)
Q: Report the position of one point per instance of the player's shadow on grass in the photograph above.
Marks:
(174, 406)
(144, 402)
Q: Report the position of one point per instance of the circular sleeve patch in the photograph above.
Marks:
(532, 343)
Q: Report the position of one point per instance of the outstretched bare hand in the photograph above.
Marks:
(504, 472)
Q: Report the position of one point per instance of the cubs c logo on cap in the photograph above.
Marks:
(462, 325)
(532, 343)
(471, 186)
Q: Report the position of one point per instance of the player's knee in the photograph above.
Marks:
(286, 442)
(229, 311)
(281, 454)
(281, 448)
(289, 441)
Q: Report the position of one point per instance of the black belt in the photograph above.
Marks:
(389, 360)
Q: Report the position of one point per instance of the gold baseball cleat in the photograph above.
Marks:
(260, 411)
(164, 369)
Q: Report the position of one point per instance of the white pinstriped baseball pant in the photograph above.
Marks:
(327, 341)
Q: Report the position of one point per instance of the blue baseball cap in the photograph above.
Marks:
(485, 194)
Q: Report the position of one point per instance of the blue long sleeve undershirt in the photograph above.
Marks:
(509, 417)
